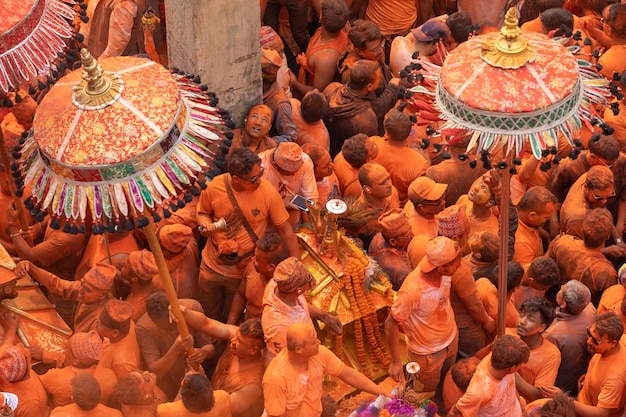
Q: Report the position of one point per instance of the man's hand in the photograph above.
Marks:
(550, 391)
(9, 321)
(184, 344)
(36, 353)
(396, 371)
(333, 322)
(22, 269)
(490, 327)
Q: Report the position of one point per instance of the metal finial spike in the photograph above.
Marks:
(93, 74)
(97, 89)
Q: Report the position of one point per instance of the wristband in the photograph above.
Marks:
(618, 240)
(12, 235)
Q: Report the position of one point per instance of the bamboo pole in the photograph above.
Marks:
(504, 249)
(170, 292)
(17, 202)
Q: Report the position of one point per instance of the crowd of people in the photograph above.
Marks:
(348, 113)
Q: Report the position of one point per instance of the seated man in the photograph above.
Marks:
(197, 398)
(388, 247)
(240, 369)
(86, 397)
(287, 394)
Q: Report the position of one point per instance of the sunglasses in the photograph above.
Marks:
(593, 339)
(254, 179)
(602, 197)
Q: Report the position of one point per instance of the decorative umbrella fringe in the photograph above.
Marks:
(41, 44)
(113, 202)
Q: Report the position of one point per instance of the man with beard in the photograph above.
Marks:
(601, 390)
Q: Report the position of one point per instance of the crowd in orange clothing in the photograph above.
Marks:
(345, 127)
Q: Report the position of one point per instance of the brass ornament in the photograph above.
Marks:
(509, 50)
(98, 88)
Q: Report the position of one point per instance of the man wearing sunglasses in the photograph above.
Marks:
(252, 200)
(602, 386)
(592, 190)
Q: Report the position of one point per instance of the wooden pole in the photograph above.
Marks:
(17, 202)
(504, 249)
(172, 297)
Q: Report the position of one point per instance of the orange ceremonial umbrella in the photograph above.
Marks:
(509, 90)
(118, 142)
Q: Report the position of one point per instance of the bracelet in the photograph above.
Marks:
(618, 240)
(15, 234)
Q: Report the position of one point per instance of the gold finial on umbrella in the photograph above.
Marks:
(510, 50)
(97, 89)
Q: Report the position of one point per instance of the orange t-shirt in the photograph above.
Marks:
(124, 356)
(605, 382)
(73, 410)
(488, 295)
(420, 225)
(348, 177)
(488, 397)
(612, 61)
(528, 245)
(33, 398)
(423, 309)
(404, 164)
(261, 208)
(57, 382)
(543, 363)
(290, 393)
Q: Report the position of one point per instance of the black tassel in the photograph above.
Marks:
(156, 217)
(55, 224)
(128, 224)
(166, 213)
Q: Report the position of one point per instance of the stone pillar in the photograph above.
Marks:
(218, 40)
